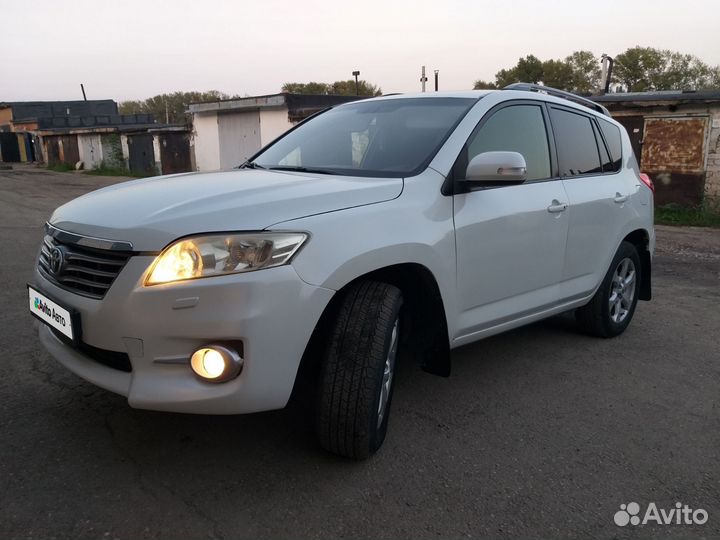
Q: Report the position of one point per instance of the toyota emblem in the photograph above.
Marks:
(57, 260)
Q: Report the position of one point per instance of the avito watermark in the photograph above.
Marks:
(629, 514)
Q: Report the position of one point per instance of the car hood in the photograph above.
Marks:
(152, 212)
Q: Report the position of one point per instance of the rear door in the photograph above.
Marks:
(597, 188)
(511, 239)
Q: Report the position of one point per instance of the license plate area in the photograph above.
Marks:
(65, 320)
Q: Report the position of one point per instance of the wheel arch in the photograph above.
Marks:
(640, 238)
(425, 332)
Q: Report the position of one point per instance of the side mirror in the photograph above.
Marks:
(497, 167)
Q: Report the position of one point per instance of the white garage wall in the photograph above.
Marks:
(273, 123)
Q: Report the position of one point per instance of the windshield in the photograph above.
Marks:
(384, 138)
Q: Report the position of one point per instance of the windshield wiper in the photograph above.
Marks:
(298, 168)
(251, 165)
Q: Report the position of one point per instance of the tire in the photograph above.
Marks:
(610, 311)
(358, 370)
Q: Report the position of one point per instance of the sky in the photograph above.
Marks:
(136, 49)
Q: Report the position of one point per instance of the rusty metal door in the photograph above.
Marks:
(52, 144)
(69, 151)
(673, 153)
(634, 125)
(175, 153)
(141, 154)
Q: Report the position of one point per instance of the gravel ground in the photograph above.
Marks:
(539, 432)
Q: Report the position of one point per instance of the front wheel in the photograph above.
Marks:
(356, 382)
(610, 311)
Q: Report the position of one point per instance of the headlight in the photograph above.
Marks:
(205, 256)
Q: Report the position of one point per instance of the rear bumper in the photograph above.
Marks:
(272, 312)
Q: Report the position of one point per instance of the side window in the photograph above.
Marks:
(575, 140)
(517, 128)
(614, 142)
(605, 161)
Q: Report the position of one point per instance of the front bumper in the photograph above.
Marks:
(272, 312)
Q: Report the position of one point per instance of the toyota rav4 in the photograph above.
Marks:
(401, 225)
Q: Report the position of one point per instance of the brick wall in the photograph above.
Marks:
(712, 174)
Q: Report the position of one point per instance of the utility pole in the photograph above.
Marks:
(357, 86)
(82, 87)
(436, 79)
(423, 78)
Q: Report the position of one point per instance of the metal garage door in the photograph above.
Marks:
(673, 153)
(9, 149)
(239, 137)
(141, 155)
(175, 153)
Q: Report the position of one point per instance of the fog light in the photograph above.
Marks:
(216, 363)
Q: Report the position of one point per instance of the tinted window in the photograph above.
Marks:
(393, 137)
(575, 140)
(605, 160)
(518, 128)
(614, 142)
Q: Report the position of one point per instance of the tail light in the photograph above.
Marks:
(646, 180)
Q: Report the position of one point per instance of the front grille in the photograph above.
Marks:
(82, 270)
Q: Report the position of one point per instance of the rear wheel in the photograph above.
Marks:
(358, 372)
(610, 311)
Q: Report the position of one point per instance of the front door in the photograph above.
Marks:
(510, 240)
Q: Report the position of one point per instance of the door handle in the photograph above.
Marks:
(556, 206)
(620, 198)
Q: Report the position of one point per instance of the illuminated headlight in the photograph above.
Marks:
(216, 255)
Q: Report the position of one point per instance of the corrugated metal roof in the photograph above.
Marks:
(27, 110)
(665, 95)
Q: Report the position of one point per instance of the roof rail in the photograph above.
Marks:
(529, 87)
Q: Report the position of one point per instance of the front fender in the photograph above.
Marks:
(415, 228)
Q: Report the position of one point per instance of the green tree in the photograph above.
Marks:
(528, 69)
(483, 85)
(505, 77)
(558, 74)
(172, 106)
(585, 68)
(305, 88)
(338, 88)
(347, 88)
(639, 68)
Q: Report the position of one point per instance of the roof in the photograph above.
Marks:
(31, 110)
(663, 96)
(291, 101)
(130, 128)
(105, 120)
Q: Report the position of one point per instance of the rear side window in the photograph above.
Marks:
(518, 128)
(575, 140)
(614, 142)
(605, 161)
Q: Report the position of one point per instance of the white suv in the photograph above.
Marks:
(400, 225)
